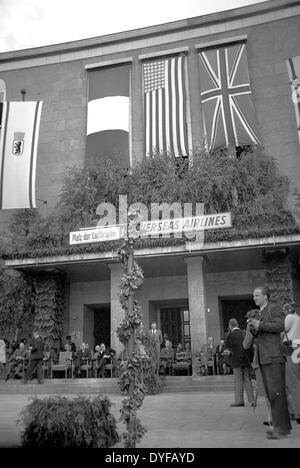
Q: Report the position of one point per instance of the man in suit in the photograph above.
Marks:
(271, 360)
(219, 354)
(35, 359)
(155, 336)
(240, 364)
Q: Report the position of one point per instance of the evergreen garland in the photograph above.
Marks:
(49, 307)
(278, 270)
(17, 306)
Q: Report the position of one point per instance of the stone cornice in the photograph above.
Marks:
(143, 33)
(185, 249)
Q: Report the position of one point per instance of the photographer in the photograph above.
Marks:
(267, 329)
(248, 344)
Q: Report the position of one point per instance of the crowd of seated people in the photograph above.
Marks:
(103, 355)
(215, 359)
(178, 358)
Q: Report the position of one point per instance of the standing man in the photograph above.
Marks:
(240, 364)
(156, 338)
(36, 359)
(271, 360)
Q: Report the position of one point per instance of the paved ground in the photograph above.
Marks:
(175, 421)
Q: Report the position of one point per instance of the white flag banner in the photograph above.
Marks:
(18, 152)
(293, 67)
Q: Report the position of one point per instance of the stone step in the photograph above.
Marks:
(61, 386)
(174, 384)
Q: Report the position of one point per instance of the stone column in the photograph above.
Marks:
(197, 306)
(116, 311)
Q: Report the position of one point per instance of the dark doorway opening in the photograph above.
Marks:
(102, 324)
(235, 308)
(175, 322)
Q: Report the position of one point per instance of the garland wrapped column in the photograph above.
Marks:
(49, 306)
(278, 270)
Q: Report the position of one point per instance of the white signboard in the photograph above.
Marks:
(193, 223)
(148, 228)
(85, 236)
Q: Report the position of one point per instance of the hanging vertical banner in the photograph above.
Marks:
(18, 153)
(228, 110)
(108, 114)
(165, 113)
(293, 66)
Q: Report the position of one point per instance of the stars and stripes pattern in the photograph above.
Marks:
(165, 110)
(228, 111)
(293, 67)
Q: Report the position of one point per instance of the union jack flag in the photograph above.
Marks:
(228, 111)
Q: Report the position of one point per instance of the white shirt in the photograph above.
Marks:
(292, 326)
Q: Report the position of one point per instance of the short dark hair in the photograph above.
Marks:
(264, 290)
(233, 322)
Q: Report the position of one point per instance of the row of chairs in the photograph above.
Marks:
(66, 364)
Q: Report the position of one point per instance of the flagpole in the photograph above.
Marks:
(23, 92)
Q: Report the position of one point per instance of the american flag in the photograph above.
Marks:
(165, 107)
(228, 111)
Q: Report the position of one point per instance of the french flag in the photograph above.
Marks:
(108, 114)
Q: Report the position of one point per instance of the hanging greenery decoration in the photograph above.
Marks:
(49, 306)
(278, 270)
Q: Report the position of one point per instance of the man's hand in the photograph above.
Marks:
(254, 324)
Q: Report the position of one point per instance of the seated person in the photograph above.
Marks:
(219, 353)
(183, 358)
(166, 358)
(17, 362)
(179, 348)
(82, 357)
(165, 338)
(67, 347)
(70, 343)
(104, 357)
(208, 352)
(140, 349)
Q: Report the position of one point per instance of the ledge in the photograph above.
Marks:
(140, 33)
(187, 248)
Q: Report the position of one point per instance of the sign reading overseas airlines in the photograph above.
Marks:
(151, 228)
(193, 223)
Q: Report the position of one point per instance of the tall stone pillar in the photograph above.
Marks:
(197, 306)
(116, 311)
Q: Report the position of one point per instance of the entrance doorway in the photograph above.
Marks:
(102, 325)
(235, 308)
(96, 327)
(175, 322)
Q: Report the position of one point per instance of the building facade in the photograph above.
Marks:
(191, 290)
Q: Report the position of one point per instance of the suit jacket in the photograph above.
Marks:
(268, 336)
(234, 342)
(37, 351)
(156, 337)
(220, 349)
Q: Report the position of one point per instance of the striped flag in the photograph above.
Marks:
(228, 111)
(18, 151)
(165, 107)
(293, 66)
(108, 115)
(2, 99)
